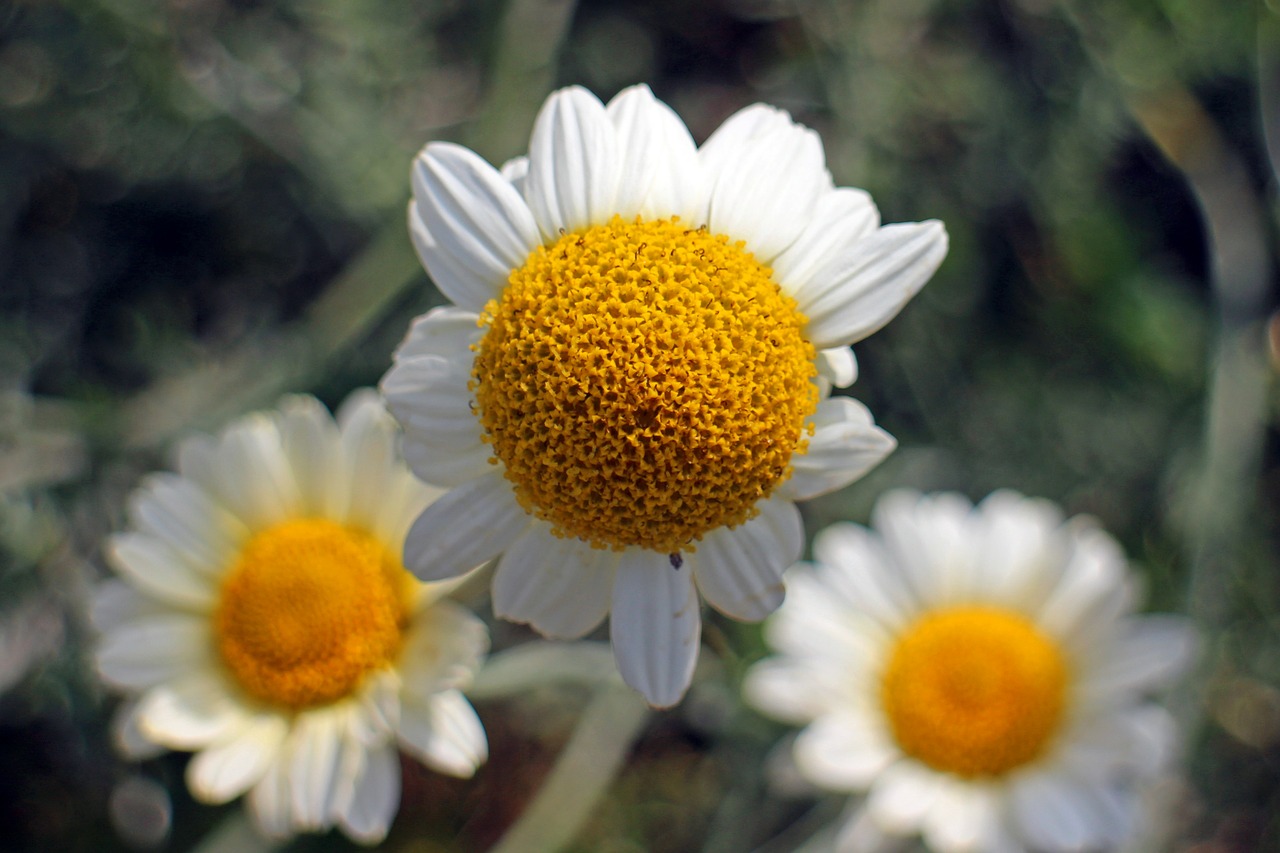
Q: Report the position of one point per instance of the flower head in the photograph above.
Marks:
(978, 670)
(263, 620)
(632, 386)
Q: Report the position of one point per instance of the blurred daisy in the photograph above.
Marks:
(631, 388)
(978, 670)
(262, 620)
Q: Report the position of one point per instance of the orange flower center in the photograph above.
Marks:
(644, 383)
(974, 691)
(310, 609)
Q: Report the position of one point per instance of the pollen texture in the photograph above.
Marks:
(643, 383)
(309, 610)
(974, 691)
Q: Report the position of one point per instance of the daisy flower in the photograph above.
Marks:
(262, 620)
(979, 671)
(631, 387)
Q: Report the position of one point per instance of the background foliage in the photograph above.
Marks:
(202, 204)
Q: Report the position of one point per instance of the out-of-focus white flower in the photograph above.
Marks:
(262, 620)
(630, 390)
(29, 634)
(978, 671)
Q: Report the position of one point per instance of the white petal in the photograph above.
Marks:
(846, 444)
(448, 273)
(516, 170)
(404, 498)
(843, 752)
(928, 538)
(458, 745)
(443, 650)
(151, 650)
(445, 734)
(470, 524)
(1050, 812)
(128, 737)
(1099, 628)
(197, 461)
(1150, 652)
(1114, 814)
(765, 185)
(629, 111)
(679, 187)
(1092, 591)
(865, 286)
(443, 437)
(376, 797)
(354, 403)
(858, 833)
(116, 602)
(841, 218)
(315, 747)
(179, 513)
(1003, 838)
(838, 366)
(739, 570)
(816, 624)
(1020, 550)
(444, 467)
(962, 819)
(253, 477)
(1151, 738)
(314, 450)
(446, 331)
(469, 225)
(902, 795)
(737, 133)
(378, 708)
(856, 570)
(269, 801)
(156, 569)
(574, 163)
(190, 712)
(1109, 741)
(660, 172)
(792, 690)
(740, 129)
(372, 463)
(560, 586)
(353, 757)
(226, 770)
(655, 627)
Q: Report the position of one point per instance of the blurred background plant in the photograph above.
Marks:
(202, 207)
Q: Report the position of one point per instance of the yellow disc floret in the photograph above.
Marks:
(309, 610)
(974, 691)
(644, 383)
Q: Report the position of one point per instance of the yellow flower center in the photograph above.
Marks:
(974, 691)
(644, 383)
(309, 610)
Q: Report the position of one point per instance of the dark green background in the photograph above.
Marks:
(201, 207)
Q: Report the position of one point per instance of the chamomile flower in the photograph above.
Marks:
(979, 671)
(631, 387)
(262, 620)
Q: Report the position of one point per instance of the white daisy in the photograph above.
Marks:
(979, 671)
(262, 620)
(631, 388)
